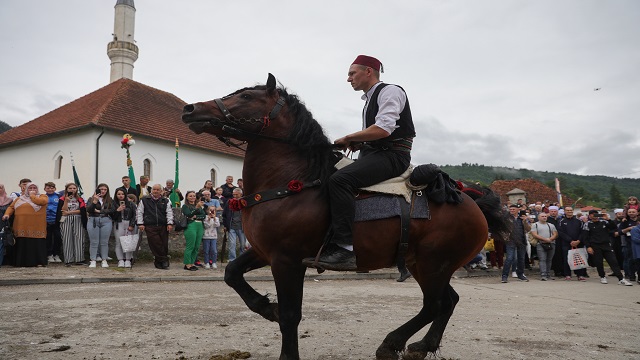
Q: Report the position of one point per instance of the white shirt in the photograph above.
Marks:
(391, 102)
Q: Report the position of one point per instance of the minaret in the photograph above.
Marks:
(123, 51)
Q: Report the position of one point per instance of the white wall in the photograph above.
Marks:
(36, 160)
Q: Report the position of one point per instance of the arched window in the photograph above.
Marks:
(147, 167)
(57, 169)
(213, 178)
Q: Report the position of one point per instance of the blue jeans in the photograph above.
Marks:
(210, 250)
(233, 235)
(99, 230)
(515, 254)
(1, 252)
(545, 257)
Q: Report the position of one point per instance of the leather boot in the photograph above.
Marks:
(335, 258)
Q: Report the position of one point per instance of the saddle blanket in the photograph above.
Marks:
(386, 206)
(396, 185)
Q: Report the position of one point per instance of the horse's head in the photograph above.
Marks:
(244, 114)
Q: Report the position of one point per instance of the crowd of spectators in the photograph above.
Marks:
(58, 226)
(547, 232)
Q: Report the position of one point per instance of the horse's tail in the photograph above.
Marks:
(489, 202)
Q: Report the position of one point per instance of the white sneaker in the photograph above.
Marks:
(50, 259)
(604, 280)
(104, 263)
(92, 264)
(214, 266)
(514, 275)
(120, 263)
(57, 258)
(98, 258)
(109, 259)
(127, 263)
(207, 266)
(625, 282)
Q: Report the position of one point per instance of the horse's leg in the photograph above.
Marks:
(395, 341)
(289, 278)
(233, 276)
(431, 341)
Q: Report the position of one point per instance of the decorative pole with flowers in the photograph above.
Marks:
(126, 142)
(174, 197)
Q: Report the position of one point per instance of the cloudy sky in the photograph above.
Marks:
(496, 82)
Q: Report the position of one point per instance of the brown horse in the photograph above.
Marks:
(285, 143)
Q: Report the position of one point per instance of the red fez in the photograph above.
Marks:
(369, 61)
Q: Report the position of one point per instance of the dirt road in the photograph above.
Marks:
(342, 319)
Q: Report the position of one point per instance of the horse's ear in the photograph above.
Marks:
(271, 83)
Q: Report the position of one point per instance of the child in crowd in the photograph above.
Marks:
(210, 239)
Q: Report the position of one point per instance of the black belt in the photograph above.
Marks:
(101, 215)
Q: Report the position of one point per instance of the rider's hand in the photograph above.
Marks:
(342, 143)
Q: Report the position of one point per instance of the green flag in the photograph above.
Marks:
(174, 197)
(132, 176)
(76, 179)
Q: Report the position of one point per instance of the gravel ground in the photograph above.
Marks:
(342, 319)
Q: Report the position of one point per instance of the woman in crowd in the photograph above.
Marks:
(210, 239)
(29, 227)
(5, 201)
(72, 217)
(208, 186)
(193, 209)
(100, 208)
(124, 220)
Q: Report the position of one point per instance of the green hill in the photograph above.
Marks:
(596, 190)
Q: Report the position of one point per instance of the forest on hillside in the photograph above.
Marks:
(596, 190)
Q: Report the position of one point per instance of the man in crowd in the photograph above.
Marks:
(126, 186)
(211, 202)
(155, 217)
(557, 263)
(233, 223)
(54, 238)
(546, 233)
(143, 188)
(629, 262)
(516, 244)
(241, 184)
(227, 187)
(595, 236)
(569, 229)
(23, 187)
(169, 189)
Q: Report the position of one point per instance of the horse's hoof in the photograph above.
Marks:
(417, 351)
(387, 354)
(270, 312)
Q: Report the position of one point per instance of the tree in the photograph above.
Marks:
(4, 126)
(615, 198)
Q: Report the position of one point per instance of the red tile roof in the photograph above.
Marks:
(124, 105)
(534, 191)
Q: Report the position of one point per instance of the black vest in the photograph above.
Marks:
(155, 211)
(405, 123)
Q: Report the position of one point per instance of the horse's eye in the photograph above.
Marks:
(245, 96)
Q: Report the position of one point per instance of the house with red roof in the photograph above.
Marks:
(529, 190)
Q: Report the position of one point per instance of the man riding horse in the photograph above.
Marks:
(385, 152)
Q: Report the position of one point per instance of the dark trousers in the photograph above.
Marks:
(629, 263)
(158, 238)
(372, 167)
(604, 251)
(567, 269)
(54, 239)
(616, 245)
(558, 263)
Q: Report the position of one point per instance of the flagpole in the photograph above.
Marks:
(175, 199)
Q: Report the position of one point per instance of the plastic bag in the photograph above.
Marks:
(577, 259)
(129, 242)
(490, 245)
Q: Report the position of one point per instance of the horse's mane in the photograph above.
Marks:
(308, 136)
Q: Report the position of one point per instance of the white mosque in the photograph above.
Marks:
(90, 129)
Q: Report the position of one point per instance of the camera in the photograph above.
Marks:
(522, 213)
(599, 215)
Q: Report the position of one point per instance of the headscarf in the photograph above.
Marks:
(4, 198)
(26, 198)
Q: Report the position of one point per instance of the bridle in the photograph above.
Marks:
(229, 123)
